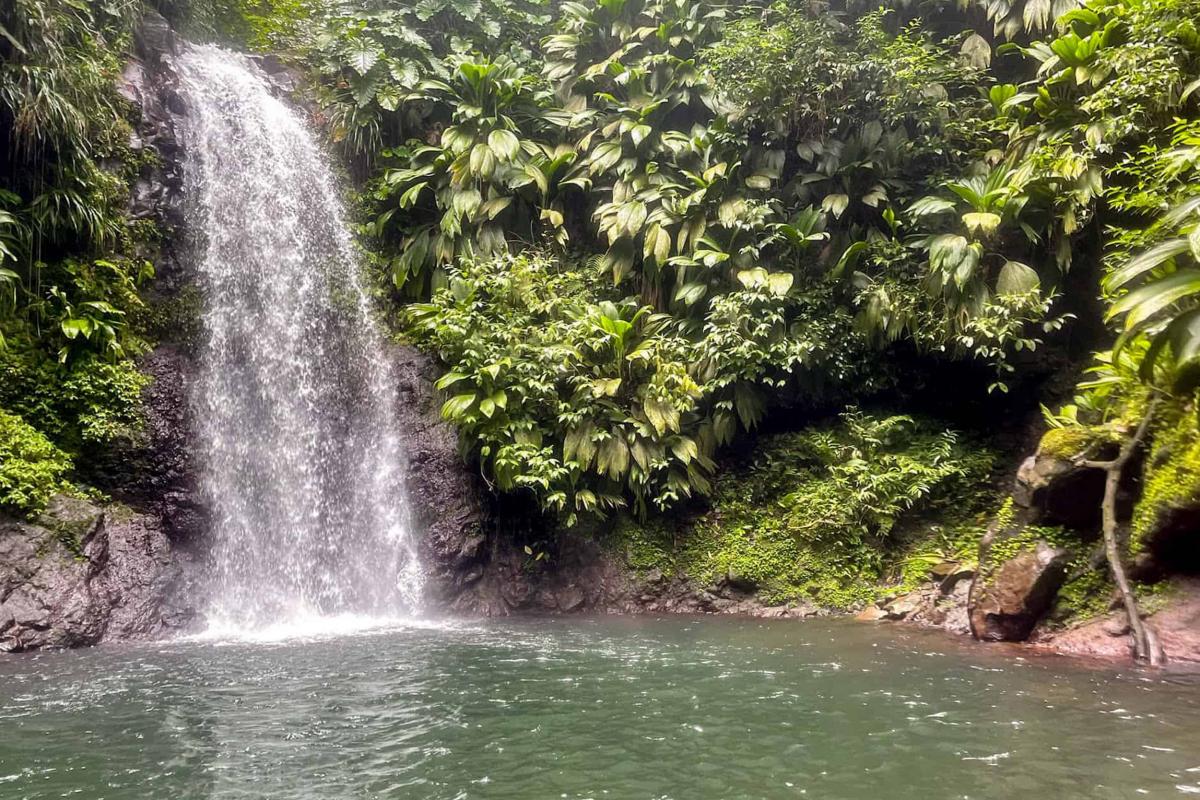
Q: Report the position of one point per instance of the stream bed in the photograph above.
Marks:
(617, 708)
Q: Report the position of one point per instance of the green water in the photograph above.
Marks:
(687, 709)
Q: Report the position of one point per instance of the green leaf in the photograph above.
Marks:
(613, 457)
(363, 55)
(780, 283)
(981, 221)
(753, 278)
(657, 247)
(454, 408)
(1016, 278)
(748, 404)
(835, 204)
(504, 144)
(483, 161)
(684, 449)
(976, 50)
(927, 206)
(449, 379)
(388, 98)
(1152, 259)
(409, 198)
(1143, 304)
(663, 416)
(691, 293)
(492, 208)
(848, 259)
(605, 387)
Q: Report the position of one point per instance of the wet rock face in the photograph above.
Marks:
(117, 579)
(156, 470)
(1176, 623)
(1172, 545)
(444, 495)
(1055, 491)
(149, 81)
(1007, 600)
(285, 80)
(473, 562)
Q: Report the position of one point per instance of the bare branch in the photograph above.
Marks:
(1146, 644)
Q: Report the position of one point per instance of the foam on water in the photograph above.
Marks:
(299, 628)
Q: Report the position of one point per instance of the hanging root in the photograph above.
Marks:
(1146, 646)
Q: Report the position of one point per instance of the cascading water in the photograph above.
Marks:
(302, 462)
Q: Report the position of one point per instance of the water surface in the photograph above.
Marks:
(687, 709)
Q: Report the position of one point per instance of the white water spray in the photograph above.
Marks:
(295, 402)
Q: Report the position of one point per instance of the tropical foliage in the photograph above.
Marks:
(633, 229)
(71, 269)
(593, 402)
(828, 513)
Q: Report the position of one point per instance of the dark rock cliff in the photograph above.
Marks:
(474, 563)
(82, 574)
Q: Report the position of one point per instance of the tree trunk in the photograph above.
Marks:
(1145, 642)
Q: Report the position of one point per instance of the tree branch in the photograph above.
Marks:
(1146, 645)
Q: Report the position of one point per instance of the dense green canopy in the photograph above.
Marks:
(633, 228)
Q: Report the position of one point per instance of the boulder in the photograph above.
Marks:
(949, 611)
(1176, 622)
(81, 575)
(570, 598)
(907, 605)
(1055, 491)
(1007, 599)
(285, 80)
(154, 39)
(871, 614)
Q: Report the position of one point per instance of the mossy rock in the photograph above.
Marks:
(1167, 517)
(1017, 586)
(1071, 441)
(1055, 490)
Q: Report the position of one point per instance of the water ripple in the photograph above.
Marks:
(593, 708)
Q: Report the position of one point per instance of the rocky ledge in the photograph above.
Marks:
(80, 575)
(1012, 594)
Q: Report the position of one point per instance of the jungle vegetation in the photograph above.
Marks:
(632, 229)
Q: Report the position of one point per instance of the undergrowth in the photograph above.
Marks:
(829, 514)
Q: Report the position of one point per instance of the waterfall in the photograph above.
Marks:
(295, 400)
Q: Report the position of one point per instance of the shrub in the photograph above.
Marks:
(31, 468)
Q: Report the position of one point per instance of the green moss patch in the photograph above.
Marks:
(830, 514)
(1067, 443)
(1172, 474)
